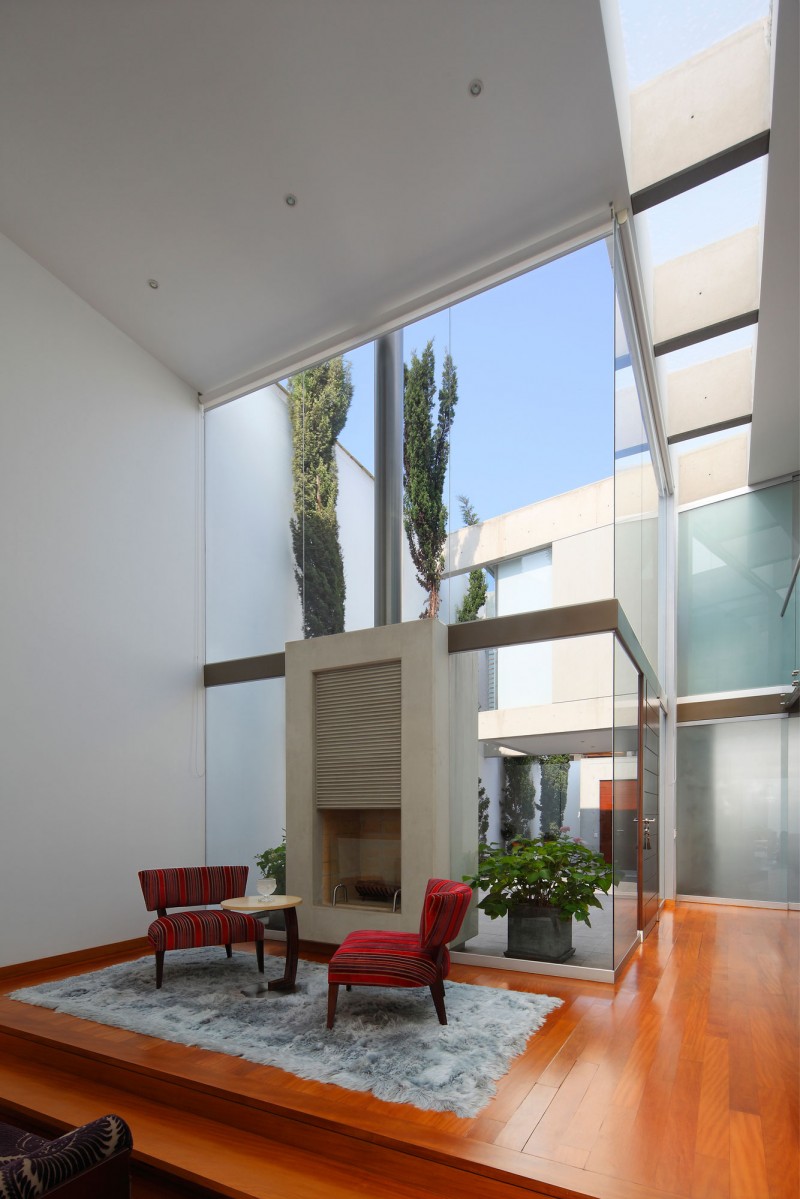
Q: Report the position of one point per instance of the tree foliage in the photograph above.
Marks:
(319, 400)
(483, 813)
(517, 799)
(475, 596)
(553, 798)
(426, 450)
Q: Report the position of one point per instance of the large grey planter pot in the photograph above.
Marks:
(538, 934)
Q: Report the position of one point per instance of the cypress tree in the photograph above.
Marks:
(518, 799)
(319, 400)
(426, 450)
(475, 595)
(555, 775)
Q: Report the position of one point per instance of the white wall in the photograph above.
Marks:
(100, 733)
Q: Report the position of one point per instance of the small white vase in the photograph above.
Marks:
(266, 886)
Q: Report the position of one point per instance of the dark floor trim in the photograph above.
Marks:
(701, 172)
(706, 333)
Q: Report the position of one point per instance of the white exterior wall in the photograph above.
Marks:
(252, 601)
(356, 511)
(102, 742)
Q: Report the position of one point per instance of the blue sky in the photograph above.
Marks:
(534, 359)
(659, 34)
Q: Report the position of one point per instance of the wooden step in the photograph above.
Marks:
(217, 1144)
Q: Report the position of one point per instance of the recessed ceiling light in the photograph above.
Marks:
(290, 200)
(476, 87)
(153, 283)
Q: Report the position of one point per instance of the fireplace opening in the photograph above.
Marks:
(361, 858)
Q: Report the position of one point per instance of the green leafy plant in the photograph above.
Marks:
(555, 873)
(426, 450)
(272, 864)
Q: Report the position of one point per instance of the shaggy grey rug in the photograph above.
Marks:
(387, 1041)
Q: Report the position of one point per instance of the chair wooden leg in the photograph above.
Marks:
(260, 956)
(333, 995)
(348, 987)
(229, 949)
(437, 991)
(159, 968)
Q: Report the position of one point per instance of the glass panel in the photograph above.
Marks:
(524, 672)
(710, 465)
(636, 503)
(704, 214)
(273, 465)
(734, 566)
(549, 767)
(709, 382)
(515, 347)
(251, 595)
(624, 814)
(663, 33)
(245, 772)
(333, 494)
(732, 809)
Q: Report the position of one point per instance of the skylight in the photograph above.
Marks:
(661, 34)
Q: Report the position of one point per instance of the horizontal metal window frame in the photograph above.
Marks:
(742, 707)
(498, 632)
(693, 337)
(701, 172)
(734, 422)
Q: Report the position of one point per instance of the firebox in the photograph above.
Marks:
(361, 859)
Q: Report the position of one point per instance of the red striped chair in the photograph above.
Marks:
(376, 959)
(190, 886)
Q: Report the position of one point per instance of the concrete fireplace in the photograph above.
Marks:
(381, 776)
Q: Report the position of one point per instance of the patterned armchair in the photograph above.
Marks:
(377, 959)
(191, 886)
(87, 1162)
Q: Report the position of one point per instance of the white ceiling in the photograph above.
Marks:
(158, 138)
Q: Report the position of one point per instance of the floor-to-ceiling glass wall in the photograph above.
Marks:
(521, 380)
(289, 554)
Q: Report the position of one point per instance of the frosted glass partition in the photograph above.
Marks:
(735, 559)
(625, 803)
(245, 772)
(733, 809)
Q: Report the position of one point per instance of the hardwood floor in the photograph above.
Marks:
(681, 1080)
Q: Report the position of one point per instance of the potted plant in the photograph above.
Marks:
(540, 884)
(272, 864)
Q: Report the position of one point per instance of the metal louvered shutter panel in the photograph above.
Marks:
(357, 736)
